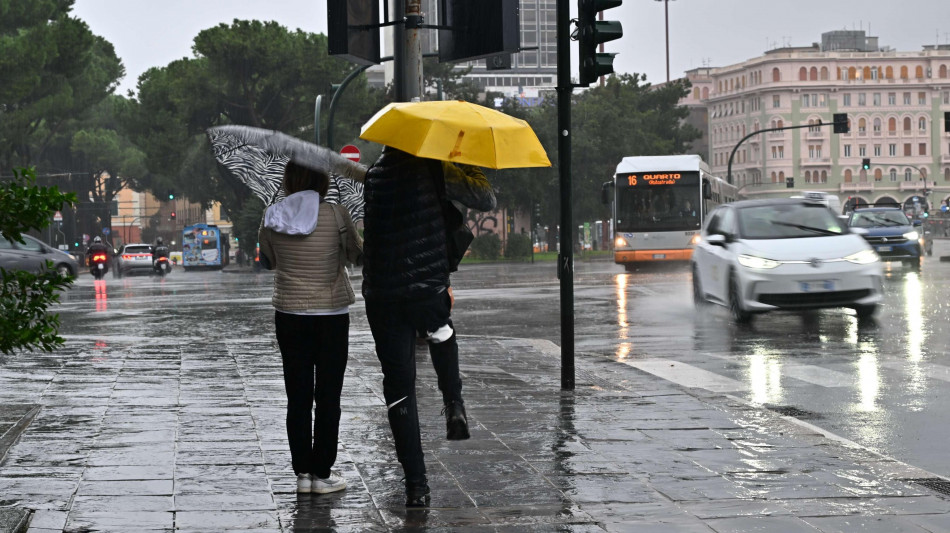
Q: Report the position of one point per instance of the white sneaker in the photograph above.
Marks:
(304, 483)
(331, 484)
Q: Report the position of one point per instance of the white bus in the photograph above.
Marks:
(659, 204)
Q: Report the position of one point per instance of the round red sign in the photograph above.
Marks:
(351, 152)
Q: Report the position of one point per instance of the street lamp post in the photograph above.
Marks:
(666, 13)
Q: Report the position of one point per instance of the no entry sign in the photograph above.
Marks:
(351, 152)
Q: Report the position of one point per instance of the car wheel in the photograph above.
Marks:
(740, 315)
(63, 270)
(699, 297)
(865, 311)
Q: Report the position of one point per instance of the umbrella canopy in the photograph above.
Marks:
(257, 157)
(457, 131)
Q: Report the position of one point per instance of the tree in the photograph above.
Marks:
(24, 296)
(250, 72)
(53, 69)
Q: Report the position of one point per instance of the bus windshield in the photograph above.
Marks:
(645, 203)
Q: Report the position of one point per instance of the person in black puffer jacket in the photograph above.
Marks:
(406, 289)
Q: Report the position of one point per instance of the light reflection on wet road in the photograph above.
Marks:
(882, 383)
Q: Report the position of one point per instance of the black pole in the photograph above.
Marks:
(666, 10)
(742, 140)
(565, 260)
(336, 96)
(400, 54)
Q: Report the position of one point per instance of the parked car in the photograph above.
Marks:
(756, 256)
(892, 235)
(32, 256)
(133, 259)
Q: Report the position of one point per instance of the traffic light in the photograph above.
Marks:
(173, 215)
(591, 33)
(471, 30)
(946, 121)
(866, 163)
(841, 123)
(171, 194)
(789, 183)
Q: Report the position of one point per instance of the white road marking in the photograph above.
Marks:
(817, 375)
(687, 375)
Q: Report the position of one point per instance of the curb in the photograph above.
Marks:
(14, 520)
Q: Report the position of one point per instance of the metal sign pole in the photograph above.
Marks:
(565, 261)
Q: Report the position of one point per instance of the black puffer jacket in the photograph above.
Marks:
(404, 249)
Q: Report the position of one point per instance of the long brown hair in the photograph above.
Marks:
(300, 178)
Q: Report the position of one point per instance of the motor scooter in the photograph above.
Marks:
(99, 264)
(162, 265)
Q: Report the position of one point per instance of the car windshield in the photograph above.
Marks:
(787, 221)
(141, 249)
(871, 219)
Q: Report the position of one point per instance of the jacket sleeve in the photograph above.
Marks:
(467, 185)
(268, 259)
(354, 243)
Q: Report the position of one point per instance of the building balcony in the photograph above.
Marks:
(945, 158)
(815, 135)
(915, 185)
(816, 162)
(861, 186)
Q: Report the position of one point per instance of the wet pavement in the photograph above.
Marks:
(165, 411)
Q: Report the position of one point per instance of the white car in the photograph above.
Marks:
(756, 256)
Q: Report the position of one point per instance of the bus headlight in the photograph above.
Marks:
(863, 257)
(620, 242)
(751, 261)
(696, 239)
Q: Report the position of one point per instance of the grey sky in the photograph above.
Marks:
(150, 33)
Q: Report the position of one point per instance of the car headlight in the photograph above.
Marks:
(863, 257)
(911, 235)
(620, 242)
(751, 261)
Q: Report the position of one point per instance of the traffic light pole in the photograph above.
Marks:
(754, 133)
(565, 256)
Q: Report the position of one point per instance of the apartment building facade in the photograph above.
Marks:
(897, 104)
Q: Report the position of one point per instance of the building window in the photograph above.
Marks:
(919, 72)
(862, 126)
(892, 150)
(807, 176)
(892, 125)
(891, 98)
(813, 74)
(862, 99)
(922, 149)
(803, 74)
(906, 124)
(893, 174)
(889, 73)
(847, 150)
(847, 176)
(877, 150)
(946, 174)
(805, 100)
(904, 73)
(846, 100)
(873, 73)
(862, 150)
(877, 126)
(877, 98)
(906, 98)
(878, 175)
(824, 176)
(776, 74)
(921, 98)
(906, 149)
(776, 101)
(908, 175)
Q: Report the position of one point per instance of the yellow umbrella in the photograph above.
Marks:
(457, 131)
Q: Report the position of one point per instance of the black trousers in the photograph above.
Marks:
(314, 353)
(395, 326)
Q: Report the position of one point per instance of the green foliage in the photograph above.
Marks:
(486, 246)
(53, 70)
(247, 221)
(249, 72)
(518, 246)
(24, 296)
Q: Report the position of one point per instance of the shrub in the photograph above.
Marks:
(487, 246)
(518, 247)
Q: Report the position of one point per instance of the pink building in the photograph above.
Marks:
(898, 105)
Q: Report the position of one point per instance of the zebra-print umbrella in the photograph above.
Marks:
(258, 157)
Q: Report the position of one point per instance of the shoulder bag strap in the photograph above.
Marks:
(342, 226)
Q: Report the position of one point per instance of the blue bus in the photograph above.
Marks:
(203, 246)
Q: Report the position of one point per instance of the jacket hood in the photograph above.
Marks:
(295, 215)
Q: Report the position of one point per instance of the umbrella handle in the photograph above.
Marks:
(457, 150)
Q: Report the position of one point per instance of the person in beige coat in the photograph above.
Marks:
(307, 242)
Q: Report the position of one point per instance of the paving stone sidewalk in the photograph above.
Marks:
(192, 438)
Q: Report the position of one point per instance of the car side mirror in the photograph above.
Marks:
(917, 223)
(717, 239)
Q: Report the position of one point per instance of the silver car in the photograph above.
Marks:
(134, 259)
(32, 256)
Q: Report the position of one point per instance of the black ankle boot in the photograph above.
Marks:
(417, 493)
(456, 422)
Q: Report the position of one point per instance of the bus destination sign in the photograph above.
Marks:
(648, 179)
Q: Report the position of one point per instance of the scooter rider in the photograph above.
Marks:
(159, 250)
(97, 247)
